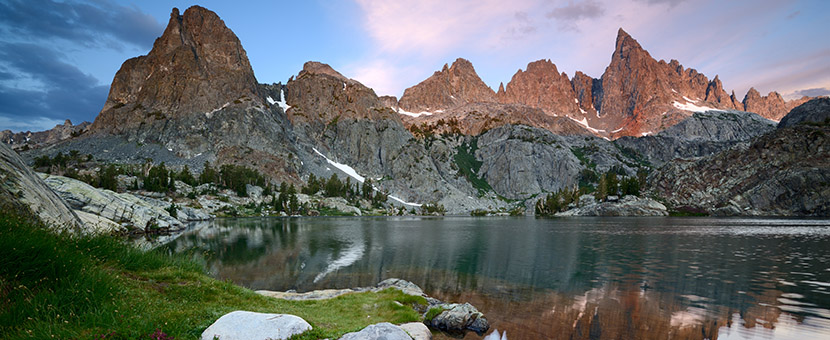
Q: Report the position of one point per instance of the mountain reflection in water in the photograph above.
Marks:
(603, 278)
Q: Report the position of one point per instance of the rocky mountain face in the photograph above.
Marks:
(702, 134)
(452, 86)
(784, 172)
(23, 191)
(637, 95)
(29, 139)
(196, 66)
(815, 112)
(195, 94)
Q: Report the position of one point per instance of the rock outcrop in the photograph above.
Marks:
(121, 208)
(702, 134)
(23, 191)
(458, 317)
(452, 86)
(244, 325)
(541, 86)
(196, 66)
(782, 173)
(816, 112)
(627, 206)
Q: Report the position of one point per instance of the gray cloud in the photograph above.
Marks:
(574, 11)
(671, 3)
(99, 23)
(814, 92)
(567, 16)
(37, 84)
(61, 90)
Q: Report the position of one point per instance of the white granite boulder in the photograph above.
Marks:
(243, 325)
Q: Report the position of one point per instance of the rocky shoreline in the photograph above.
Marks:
(452, 318)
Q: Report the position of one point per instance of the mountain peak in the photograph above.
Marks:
(626, 44)
(316, 67)
(454, 85)
(195, 66)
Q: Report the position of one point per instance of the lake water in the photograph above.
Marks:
(581, 278)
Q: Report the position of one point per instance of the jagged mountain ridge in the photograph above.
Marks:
(636, 95)
(331, 121)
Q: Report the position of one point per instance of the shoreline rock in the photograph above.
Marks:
(628, 206)
(455, 318)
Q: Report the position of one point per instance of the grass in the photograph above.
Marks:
(433, 312)
(97, 287)
(468, 166)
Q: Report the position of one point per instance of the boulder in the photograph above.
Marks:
(417, 330)
(254, 192)
(405, 286)
(458, 317)
(340, 204)
(380, 331)
(243, 325)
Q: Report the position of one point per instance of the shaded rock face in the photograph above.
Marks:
(195, 94)
(702, 134)
(196, 66)
(785, 172)
(520, 161)
(458, 318)
(815, 111)
(22, 190)
(28, 139)
(771, 106)
(452, 86)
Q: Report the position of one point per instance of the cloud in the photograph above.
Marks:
(671, 3)
(814, 92)
(98, 23)
(34, 124)
(57, 90)
(575, 11)
(432, 27)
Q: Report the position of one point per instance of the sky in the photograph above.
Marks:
(58, 58)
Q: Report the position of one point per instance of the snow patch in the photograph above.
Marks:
(689, 99)
(351, 172)
(576, 100)
(343, 167)
(673, 90)
(584, 122)
(583, 111)
(282, 103)
(413, 114)
(617, 130)
(693, 107)
(646, 133)
(402, 201)
(270, 100)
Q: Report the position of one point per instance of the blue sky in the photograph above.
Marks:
(57, 58)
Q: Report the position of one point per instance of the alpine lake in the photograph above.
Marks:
(562, 278)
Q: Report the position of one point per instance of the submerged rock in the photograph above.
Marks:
(627, 206)
(380, 331)
(243, 325)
